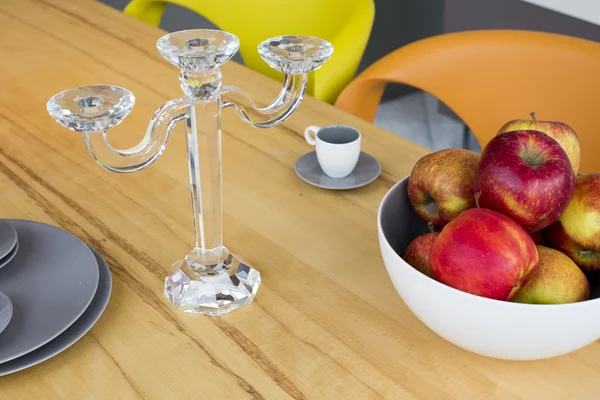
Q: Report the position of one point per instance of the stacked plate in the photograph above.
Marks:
(53, 289)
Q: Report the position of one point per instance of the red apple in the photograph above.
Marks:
(485, 253)
(561, 132)
(417, 253)
(440, 186)
(577, 231)
(525, 175)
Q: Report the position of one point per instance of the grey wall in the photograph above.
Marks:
(397, 23)
(461, 15)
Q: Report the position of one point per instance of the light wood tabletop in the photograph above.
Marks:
(326, 323)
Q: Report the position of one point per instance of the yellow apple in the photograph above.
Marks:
(577, 231)
(561, 132)
(556, 280)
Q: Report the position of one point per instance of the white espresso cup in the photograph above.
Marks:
(338, 148)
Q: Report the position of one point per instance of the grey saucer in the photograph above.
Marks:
(366, 171)
(4, 261)
(74, 332)
(51, 281)
(6, 311)
(8, 238)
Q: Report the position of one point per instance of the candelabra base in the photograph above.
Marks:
(213, 289)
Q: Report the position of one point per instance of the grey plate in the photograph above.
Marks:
(366, 171)
(8, 238)
(4, 261)
(74, 332)
(51, 281)
(6, 311)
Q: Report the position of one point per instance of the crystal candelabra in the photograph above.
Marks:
(209, 280)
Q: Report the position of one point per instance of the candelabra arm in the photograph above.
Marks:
(148, 150)
(279, 110)
(94, 110)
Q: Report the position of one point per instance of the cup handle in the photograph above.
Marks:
(310, 134)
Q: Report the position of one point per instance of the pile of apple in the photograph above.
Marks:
(517, 223)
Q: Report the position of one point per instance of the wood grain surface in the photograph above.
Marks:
(327, 322)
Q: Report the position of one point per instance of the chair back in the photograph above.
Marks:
(491, 77)
(345, 23)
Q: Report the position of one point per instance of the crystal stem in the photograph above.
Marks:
(203, 138)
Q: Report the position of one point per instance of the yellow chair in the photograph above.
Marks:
(346, 24)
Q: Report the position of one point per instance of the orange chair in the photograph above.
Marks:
(490, 77)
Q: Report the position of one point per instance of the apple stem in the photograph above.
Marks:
(533, 116)
(430, 226)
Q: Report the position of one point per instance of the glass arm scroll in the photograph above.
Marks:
(279, 110)
(296, 57)
(148, 150)
(93, 110)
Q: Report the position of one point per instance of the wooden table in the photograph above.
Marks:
(326, 323)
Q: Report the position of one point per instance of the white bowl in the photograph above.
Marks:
(492, 328)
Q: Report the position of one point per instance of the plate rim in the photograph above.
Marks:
(78, 315)
(11, 254)
(101, 261)
(10, 314)
(16, 237)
